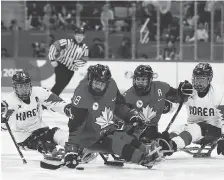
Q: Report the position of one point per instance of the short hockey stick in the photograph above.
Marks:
(54, 167)
(15, 143)
(50, 166)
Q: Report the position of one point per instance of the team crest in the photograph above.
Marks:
(139, 103)
(148, 113)
(105, 119)
(95, 106)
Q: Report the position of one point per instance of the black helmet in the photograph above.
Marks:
(100, 74)
(22, 84)
(202, 76)
(79, 31)
(140, 72)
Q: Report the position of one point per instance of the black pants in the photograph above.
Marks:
(122, 144)
(62, 77)
(41, 140)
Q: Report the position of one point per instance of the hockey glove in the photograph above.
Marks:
(136, 119)
(220, 147)
(5, 112)
(54, 63)
(168, 106)
(71, 160)
(71, 156)
(185, 89)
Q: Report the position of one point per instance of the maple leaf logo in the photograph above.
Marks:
(148, 113)
(105, 119)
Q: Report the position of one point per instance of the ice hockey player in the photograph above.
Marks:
(152, 99)
(22, 108)
(96, 103)
(205, 110)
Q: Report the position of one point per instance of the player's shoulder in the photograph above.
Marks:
(160, 84)
(37, 90)
(217, 90)
(129, 92)
(113, 83)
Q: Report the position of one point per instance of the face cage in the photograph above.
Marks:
(200, 83)
(23, 91)
(98, 88)
(141, 85)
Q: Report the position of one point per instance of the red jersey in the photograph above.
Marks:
(93, 116)
(152, 104)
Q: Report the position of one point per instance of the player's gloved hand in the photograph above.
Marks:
(71, 158)
(68, 110)
(5, 112)
(220, 146)
(168, 106)
(54, 63)
(136, 119)
(185, 89)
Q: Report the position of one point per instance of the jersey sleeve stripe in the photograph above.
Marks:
(52, 52)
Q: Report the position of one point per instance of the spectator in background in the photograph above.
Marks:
(39, 49)
(49, 18)
(63, 16)
(125, 48)
(3, 27)
(98, 49)
(94, 22)
(201, 34)
(34, 14)
(51, 39)
(170, 51)
(14, 26)
(4, 53)
(107, 17)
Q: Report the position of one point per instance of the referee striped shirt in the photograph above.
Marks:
(70, 51)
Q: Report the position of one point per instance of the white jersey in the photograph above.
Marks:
(205, 109)
(28, 117)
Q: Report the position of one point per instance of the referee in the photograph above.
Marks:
(66, 56)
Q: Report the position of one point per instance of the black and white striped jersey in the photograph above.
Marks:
(67, 51)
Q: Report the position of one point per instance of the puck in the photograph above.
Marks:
(80, 168)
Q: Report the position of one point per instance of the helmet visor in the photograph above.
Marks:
(200, 83)
(23, 91)
(142, 82)
(98, 86)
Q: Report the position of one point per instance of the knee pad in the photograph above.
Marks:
(195, 131)
(179, 129)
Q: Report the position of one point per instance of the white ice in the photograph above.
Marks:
(180, 166)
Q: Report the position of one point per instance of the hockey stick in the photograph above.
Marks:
(175, 115)
(15, 143)
(112, 163)
(55, 167)
(50, 166)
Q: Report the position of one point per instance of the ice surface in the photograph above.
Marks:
(180, 166)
